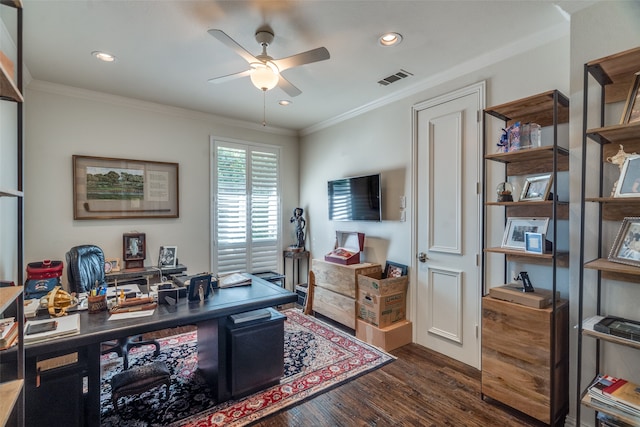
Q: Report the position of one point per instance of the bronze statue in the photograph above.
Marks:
(300, 224)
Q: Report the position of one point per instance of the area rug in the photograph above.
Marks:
(317, 358)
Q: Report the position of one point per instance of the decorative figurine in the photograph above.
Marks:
(300, 224)
(504, 191)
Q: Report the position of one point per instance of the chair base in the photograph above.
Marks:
(139, 379)
(122, 346)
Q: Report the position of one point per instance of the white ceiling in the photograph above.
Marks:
(165, 55)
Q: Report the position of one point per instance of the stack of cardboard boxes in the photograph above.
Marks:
(382, 311)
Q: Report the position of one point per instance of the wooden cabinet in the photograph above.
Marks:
(524, 349)
(334, 289)
(600, 291)
(519, 359)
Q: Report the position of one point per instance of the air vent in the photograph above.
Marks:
(402, 74)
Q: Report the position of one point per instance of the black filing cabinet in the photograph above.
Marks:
(255, 351)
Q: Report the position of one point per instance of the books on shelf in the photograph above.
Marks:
(625, 392)
(66, 325)
(616, 394)
(235, 279)
(8, 333)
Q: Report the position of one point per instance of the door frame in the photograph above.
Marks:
(479, 89)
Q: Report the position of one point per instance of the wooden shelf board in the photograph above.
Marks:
(527, 203)
(615, 270)
(615, 134)
(11, 193)
(617, 208)
(9, 393)
(8, 295)
(536, 109)
(616, 72)
(534, 208)
(562, 258)
(601, 407)
(8, 89)
(527, 155)
(13, 3)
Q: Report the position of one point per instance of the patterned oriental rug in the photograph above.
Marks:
(317, 358)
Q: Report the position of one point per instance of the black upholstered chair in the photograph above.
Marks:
(85, 270)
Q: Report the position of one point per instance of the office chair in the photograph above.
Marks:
(85, 270)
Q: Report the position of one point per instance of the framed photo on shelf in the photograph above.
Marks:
(517, 227)
(536, 188)
(534, 242)
(111, 265)
(168, 256)
(631, 112)
(109, 188)
(629, 181)
(626, 248)
(392, 269)
(134, 249)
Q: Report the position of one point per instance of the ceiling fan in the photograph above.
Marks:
(264, 70)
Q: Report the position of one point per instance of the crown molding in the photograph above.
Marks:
(507, 51)
(74, 92)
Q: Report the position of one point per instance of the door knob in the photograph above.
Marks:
(422, 257)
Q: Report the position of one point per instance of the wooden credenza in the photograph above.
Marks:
(517, 365)
(335, 289)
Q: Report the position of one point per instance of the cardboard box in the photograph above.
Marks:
(378, 286)
(388, 338)
(7, 65)
(541, 298)
(382, 302)
(347, 248)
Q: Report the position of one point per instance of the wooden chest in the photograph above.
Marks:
(335, 289)
(517, 365)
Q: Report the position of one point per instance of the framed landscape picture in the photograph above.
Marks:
(109, 188)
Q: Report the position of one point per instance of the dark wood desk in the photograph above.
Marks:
(210, 316)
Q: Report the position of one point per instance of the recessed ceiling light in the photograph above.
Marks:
(103, 56)
(284, 102)
(390, 39)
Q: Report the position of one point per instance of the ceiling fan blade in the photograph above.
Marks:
(228, 77)
(224, 38)
(286, 86)
(313, 55)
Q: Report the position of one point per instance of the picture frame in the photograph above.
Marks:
(111, 265)
(112, 188)
(534, 242)
(199, 287)
(536, 188)
(626, 247)
(629, 182)
(134, 249)
(168, 257)
(393, 269)
(631, 112)
(516, 227)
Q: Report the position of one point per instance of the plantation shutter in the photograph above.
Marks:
(246, 208)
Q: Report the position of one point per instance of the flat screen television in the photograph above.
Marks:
(355, 199)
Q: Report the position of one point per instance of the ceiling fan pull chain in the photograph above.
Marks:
(264, 107)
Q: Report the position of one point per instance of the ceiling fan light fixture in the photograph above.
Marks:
(103, 56)
(264, 76)
(390, 39)
(284, 102)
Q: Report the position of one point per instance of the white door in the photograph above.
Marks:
(448, 223)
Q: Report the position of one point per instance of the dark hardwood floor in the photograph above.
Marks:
(420, 388)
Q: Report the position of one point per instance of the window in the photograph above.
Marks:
(246, 207)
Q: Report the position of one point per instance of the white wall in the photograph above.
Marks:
(62, 121)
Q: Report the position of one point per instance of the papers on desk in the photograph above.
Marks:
(67, 325)
(235, 279)
(111, 290)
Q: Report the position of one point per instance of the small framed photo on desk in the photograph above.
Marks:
(168, 256)
(134, 249)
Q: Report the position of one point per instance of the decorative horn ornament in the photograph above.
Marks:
(58, 301)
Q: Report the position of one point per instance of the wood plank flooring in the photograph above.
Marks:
(420, 388)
